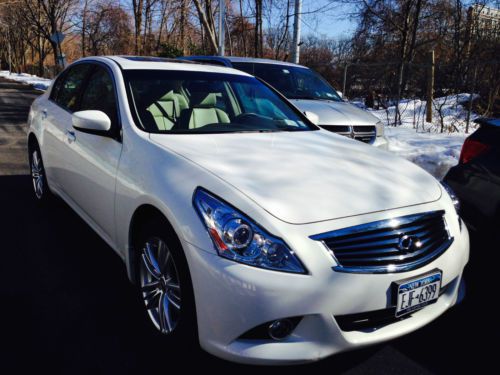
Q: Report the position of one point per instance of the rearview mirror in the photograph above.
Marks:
(313, 117)
(93, 122)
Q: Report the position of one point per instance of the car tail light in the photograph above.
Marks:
(471, 150)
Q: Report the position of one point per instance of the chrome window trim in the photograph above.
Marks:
(393, 223)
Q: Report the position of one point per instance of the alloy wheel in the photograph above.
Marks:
(37, 174)
(160, 285)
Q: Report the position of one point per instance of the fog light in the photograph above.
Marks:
(279, 329)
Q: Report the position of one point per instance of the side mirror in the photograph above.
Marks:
(93, 122)
(313, 117)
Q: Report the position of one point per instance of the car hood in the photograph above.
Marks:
(336, 113)
(310, 176)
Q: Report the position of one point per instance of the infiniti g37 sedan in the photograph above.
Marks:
(242, 223)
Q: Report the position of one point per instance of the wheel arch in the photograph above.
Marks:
(140, 217)
(32, 141)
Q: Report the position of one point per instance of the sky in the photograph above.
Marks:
(330, 20)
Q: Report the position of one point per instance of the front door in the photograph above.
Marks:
(56, 118)
(93, 159)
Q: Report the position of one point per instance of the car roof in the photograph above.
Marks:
(488, 121)
(238, 59)
(159, 63)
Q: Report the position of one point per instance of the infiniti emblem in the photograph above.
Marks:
(407, 243)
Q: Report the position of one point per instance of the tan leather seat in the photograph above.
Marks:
(166, 110)
(183, 103)
(203, 112)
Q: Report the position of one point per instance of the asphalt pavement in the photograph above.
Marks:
(67, 306)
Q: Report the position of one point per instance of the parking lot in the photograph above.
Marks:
(67, 305)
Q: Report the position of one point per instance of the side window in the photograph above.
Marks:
(67, 94)
(277, 76)
(57, 86)
(100, 95)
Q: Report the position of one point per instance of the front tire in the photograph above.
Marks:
(41, 190)
(165, 283)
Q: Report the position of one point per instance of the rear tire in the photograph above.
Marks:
(164, 282)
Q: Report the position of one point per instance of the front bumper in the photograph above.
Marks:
(232, 298)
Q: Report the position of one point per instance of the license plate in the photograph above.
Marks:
(417, 293)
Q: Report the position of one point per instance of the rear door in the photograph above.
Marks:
(56, 120)
(93, 159)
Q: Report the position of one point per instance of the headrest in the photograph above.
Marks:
(204, 100)
(171, 97)
(168, 96)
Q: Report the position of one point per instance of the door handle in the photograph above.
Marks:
(71, 136)
(44, 114)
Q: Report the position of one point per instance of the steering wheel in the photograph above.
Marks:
(246, 117)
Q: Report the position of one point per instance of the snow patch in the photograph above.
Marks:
(449, 113)
(422, 142)
(434, 152)
(38, 83)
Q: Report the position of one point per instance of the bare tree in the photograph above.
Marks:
(277, 16)
(107, 30)
(48, 17)
(205, 12)
(137, 9)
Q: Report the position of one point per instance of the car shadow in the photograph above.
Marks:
(68, 306)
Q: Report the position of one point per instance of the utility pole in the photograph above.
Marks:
(295, 52)
(430, 85)
(222, 26)
(345, 81)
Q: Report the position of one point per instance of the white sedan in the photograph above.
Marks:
(241, 222)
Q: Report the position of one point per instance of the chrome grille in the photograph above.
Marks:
(363, 133)
(393, 245)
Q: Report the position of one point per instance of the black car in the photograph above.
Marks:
(476, 179)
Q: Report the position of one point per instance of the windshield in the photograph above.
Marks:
(293, 82)
(203, 102)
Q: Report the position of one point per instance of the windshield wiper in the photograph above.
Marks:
(305, 97)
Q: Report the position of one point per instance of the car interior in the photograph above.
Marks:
(179, 106)
(184, 105)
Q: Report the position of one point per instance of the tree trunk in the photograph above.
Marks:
(183, 26)
(243, 33)
(84, 27)
(138, 6)
(403, 56)
(41, 56)
(207, 23)
(258, 31)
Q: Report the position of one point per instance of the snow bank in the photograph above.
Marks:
(422, 142)
(448, 112)
(37, 82)
(434, 152)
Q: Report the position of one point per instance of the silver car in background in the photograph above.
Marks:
(310, 93)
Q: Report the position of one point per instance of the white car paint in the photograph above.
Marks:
(91, 120)
(308, 172)
(293, 184)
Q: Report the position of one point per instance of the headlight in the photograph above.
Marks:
(453, 196)
(238, 238)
